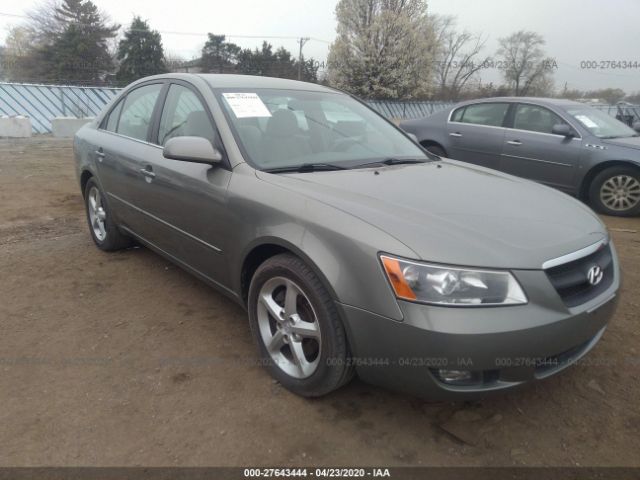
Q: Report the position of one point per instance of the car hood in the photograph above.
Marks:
(629, 142)
(456, 213)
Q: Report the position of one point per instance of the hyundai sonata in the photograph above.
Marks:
(353, 249)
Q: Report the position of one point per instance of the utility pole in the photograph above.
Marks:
(302, 41)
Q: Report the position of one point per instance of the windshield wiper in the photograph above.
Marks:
(393, 161)
(306, 167)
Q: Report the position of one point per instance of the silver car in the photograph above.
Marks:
(567, 145)
(352, 248)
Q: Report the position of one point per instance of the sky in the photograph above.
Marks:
(575, 30)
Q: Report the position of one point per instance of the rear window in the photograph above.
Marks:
(490, 114)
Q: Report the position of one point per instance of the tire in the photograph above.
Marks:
(436, 150)
(103, 230)
(309, 354)
(616, 191)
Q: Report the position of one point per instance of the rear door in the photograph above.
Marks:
(121, 149)
(185, 203)
(476, 133)
(531, 151)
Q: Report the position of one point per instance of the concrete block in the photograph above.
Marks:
(15, 127)
(67, 126)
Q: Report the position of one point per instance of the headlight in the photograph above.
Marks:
(443, 285)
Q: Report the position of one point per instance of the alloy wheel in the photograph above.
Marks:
(620, 192)
(289, 327)
(97, 214)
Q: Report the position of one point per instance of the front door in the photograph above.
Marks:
(532, 151)
(187, 202)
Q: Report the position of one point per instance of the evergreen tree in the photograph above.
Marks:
(140, 52)
(78, 51)
(218, 55)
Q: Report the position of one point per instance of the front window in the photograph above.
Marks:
(184, 115)
(600, 124)
(535, 119)
(287, 128)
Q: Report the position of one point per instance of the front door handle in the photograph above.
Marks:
(148, 172)
(455, 134)
(514, 142)
(100, 154)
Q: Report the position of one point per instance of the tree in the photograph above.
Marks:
(524, 64)
(266, 62)
(140, 52)
(457, 57)
(69, 42)
(608, 95)
(382, 49)
(15, 55)
(218, 55)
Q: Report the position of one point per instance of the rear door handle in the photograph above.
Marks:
(514, 142)
(455, 134)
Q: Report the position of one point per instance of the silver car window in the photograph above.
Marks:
(137, 111)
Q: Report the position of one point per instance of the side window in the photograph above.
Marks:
(112, 121)
(535, 118)
(184, 115)
(137, 110)
(491, 114)
(457, 115)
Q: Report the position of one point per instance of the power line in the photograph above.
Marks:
(198, 34)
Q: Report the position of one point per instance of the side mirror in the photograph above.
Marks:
(191, 149)
(562, 129)
(412, 137)
(636, 127)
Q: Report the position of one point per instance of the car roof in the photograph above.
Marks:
(558, 102)
(224, 80)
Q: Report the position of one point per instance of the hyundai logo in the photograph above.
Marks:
(594, 275)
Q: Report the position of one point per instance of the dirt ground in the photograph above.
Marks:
(123, 359)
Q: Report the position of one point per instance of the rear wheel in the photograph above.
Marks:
(436, 150)
(103, 230)
(298, 331)
(616, 191)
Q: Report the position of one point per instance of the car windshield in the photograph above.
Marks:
(600, 124)
(281, 129)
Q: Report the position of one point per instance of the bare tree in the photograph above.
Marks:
(524, 62)
(457, 57)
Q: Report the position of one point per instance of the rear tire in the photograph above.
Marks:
(294, 321)
(616, 191)
(102, 228)
(436, 150)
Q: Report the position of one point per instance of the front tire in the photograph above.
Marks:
(294, 321)
(102, 228)
(616, 191)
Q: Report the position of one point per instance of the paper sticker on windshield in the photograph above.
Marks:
(586, 121)
(245, 105)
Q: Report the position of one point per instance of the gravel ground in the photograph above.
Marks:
(123, 359)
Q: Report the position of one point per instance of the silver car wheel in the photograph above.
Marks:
(621, 192)
(289, 327)
(97, 214)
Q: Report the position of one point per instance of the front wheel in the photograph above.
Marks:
(616, 191)
(297, 328)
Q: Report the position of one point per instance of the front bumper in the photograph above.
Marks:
(509, 345)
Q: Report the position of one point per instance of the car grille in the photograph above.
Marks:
(571, 279)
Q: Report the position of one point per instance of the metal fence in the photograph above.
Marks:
(42, 103)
